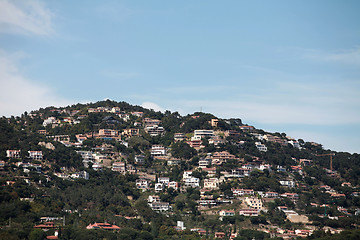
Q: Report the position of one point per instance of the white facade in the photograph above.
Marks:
(35, 155)
(158, 150)
(50, 120)
(261, 147)
(290, 184)
(164, 180)
(211, 183)
(142, 184)
(192, 182)
(204, 133)
(160, 206)
(204, 163)
(174, 185)
(249, 212)
(159, 187)
(13, 153)
(154, 130)
(187, 174)
(153, 198)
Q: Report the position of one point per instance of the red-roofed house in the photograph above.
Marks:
(106, 226)
(219, 235)
(45, 226)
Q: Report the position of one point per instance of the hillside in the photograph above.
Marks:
(110, 170)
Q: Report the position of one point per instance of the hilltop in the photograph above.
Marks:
(117, 171)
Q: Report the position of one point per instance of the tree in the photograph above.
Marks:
(37, 234)
(182, 150)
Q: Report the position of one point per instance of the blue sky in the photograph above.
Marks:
(284, 66)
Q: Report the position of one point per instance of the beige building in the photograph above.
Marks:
(254, 203)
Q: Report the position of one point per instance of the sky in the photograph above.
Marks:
(282, 66)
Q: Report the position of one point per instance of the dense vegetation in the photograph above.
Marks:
(32, 189)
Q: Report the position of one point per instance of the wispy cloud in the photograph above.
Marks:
(151, 105)
(347, 56)
(25, 17)
(19, 94)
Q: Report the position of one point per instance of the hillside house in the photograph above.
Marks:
(211, 183)
(179, 137)
(105, 226)
(13, 154)
(204, 163)
(231, 133)
(224, 155)
(261, 147)
(35, 155)
(137, 114)
(159, 187)
(174, 185)
(246, 128)
(249, 212)
(287, 183)
(243, 192)
(204, 133)
(196, 144)
(192, 182)
(164, 180)
(211, 171)
(148, 122)
(271, 195)
(143, 184)
(108, 134)
(254, 203)
(118, 167)
(139, 159)
(227, 213)
(292, 196)
(153, 198)
(154, 130)
(159, 206)
(219, 235)
(214, 122)
(131, 132)
(187, 174)
(216, 140)
(158, 150)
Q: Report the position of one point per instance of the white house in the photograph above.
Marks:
(249, 212)
(204, 133)
(204, 163)
(227, 213)
(143, 184)
(154, 130)
(192, 182)
(261, 147)
(35, 155)
(174, 185)
(164, 180)
(153, 198)
(287, 183)
(159, 187)
(160, 206)
(211, 183)
(158, 150)
(13, 154)
(187, 174)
